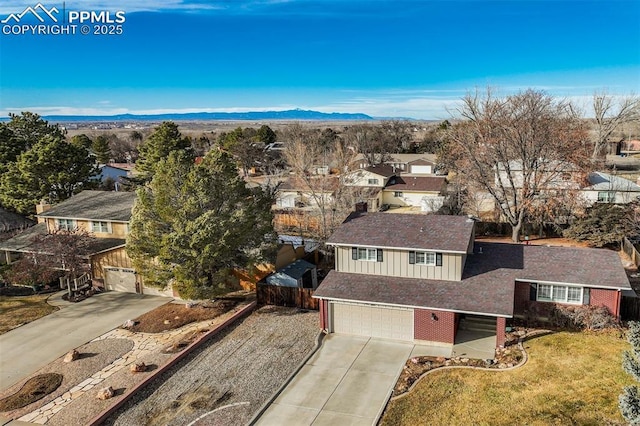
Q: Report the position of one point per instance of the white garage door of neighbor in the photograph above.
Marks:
(372, 320)
(120, 279)
(421, 169)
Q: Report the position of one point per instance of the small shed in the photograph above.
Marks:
(300, 274)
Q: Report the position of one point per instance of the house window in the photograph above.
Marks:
(425, 258)
(103, 227)
(559, 293)
(606, 197)
(372, 182)
(366, 254)
(66, 224)
(397, 194)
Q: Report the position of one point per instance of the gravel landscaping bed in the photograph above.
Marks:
(93, 357)
(234, 373)
(82, 410)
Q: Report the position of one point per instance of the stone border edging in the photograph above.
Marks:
(100, 418)
(525, 358)
(267, 403)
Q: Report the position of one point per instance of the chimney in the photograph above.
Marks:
(41, 207)
(361, 207)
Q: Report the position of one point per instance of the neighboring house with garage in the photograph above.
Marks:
(416, 277)
(105, 215)
(607, 188)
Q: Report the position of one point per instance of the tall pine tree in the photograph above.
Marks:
(194, 223)
(52, 169)
(165, 139)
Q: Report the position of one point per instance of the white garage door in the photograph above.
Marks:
(421, 169)
(372, 320)
(120, 279)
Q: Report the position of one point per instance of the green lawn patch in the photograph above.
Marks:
(570, 378)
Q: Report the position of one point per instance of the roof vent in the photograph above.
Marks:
(479, 250)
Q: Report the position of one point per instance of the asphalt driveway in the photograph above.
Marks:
(346, 382)
(31, 346)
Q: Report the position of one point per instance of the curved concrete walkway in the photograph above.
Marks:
(27, 348)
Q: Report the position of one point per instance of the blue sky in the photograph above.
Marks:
(384, 58)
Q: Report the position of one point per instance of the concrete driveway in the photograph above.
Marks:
(31, 346)
(347, 382)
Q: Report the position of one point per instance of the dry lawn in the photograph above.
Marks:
(570, 378)
(18, 310)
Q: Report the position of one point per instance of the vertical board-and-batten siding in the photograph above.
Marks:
(395, 263)
(115, 258)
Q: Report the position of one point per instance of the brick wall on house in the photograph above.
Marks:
(501, 337)
(442, 329)
(608, 298)
(598, 297)
(324, 309)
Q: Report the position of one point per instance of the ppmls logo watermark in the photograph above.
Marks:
(42, 20)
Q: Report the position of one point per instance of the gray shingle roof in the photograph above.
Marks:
(415, 231)
(95, 205)
(416, 183)
(605, 182)
(24, 241)
(11, 221)
(478, 296)
(487, 284)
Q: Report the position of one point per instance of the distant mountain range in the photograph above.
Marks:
(294, 114)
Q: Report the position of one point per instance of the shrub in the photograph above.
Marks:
(586, 317)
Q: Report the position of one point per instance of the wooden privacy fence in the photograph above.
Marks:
(631, 251)
(630, 308)
(286, 296)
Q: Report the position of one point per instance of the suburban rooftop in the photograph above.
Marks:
(409, 231)
(95, 205)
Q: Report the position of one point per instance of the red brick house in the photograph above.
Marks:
(415, 277)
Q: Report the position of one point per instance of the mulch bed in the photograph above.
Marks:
(415, 367)
(33, 390)
(175, 315)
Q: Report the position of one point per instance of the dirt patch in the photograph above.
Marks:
(33, 390)
(175, 315)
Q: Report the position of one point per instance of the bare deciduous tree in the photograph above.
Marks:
(370, 141)
(332, 201)
(517, 147)
(610, 114)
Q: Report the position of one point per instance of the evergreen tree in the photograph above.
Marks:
(101, 150)
(266, 135)
(629, 401)
(82, 140)
(28, 128)
(52, 169)
(194, 223)
(602, 224)
(165, 139)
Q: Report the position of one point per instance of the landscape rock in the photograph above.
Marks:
(138, 367)
(128, 324)
(167, 322)
(105, 393)
(72, 355)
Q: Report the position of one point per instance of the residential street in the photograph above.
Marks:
(29, 347)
